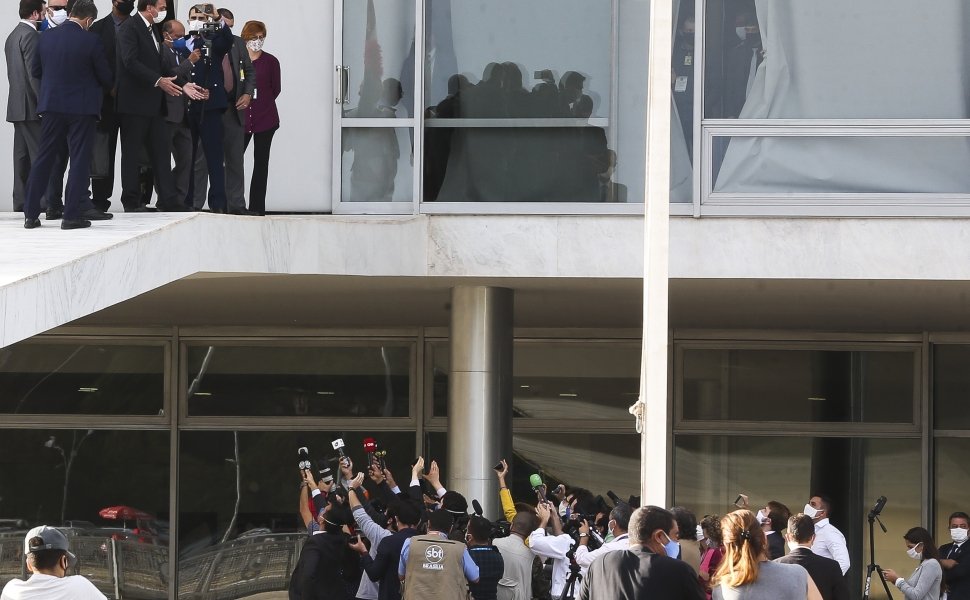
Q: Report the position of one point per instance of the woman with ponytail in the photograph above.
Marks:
(745, 572)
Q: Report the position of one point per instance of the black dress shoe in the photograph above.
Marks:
(53, 214)
(242, 212)
(75, 223)
(31, 223)
(172, 208)
(93, 214)
(135, 209)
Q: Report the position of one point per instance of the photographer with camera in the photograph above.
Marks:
(213, 38)
(618, 524)
(555, 546)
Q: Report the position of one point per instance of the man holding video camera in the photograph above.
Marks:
(214, 40)
(619, 522)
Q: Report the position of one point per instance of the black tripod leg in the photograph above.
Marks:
(885, 584)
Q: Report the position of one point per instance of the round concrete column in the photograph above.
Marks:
(479, 392)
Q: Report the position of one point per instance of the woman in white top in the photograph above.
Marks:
(747, 574)
(926, 582)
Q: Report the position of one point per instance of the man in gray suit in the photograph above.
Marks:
(233, 125)
(20, 50)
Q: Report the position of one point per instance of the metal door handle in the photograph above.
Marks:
(342, 81)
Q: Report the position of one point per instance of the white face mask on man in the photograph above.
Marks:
(958, 535)
(161, 16)
(811, 511)
(57, 18)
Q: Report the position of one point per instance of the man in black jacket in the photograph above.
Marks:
(955, 558)
(319, 574)
(825, 572)
(643, 572)
(107, 29)
(141, 106)
(402, 518)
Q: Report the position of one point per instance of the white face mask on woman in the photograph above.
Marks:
(912, 553)
(255, 45)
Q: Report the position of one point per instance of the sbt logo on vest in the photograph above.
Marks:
(434, 555)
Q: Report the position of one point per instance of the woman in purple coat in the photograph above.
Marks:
(262, 117)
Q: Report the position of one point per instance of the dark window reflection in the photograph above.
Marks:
(240, 532)
(539, 86)
(299, 381)
(109, 490)
(562, 380)
(799, 385)
(951, 386)
(597, 462)
(93, 379)
(440, 360)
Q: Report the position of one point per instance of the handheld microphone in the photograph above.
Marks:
(616, 499)
(338, 445)
(370, 447)
(535, 480)
(477, 507)
(304, 453)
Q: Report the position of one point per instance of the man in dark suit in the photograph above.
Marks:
(955, 558)
(214, 74)
(644, 571)
(178, 61)
(825, 572)
(20, 50)
(240, 95)
(141, 106)
(73, 71)
(107, 29)
(402, 518)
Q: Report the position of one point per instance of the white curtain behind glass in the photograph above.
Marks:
(877, 59)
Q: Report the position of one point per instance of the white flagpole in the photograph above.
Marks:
(651, 408)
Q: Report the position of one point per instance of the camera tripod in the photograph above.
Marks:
(872, 566)
(569, 590)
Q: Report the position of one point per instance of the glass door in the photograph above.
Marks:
(376, 90)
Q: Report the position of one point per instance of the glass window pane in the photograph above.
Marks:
(239, 530)
(595, 381)
(561, 380)
(82, 378)
(710, 471)
(377, 164)
(67, 478)
(815, 386)
(440, 359)
(378, 51)
(518, 111)
(951, 386)
(352, 381)
(952, 473)
(775, 60)
(840, 165)
(596, 462)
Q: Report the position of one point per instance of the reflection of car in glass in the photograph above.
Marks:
(13, 525)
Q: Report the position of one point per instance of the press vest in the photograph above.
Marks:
(435, 570)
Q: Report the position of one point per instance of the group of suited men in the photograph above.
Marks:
(77, 82)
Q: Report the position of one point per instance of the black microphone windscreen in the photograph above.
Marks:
(477, 507)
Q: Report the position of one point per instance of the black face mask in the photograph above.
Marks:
(125, 7)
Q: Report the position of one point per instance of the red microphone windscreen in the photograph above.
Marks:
(370, 445)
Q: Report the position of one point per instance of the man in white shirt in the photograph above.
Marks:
(618, 525)
(829, 541)
(49, 560)
(554, 546)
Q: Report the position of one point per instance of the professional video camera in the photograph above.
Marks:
(500, 529)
